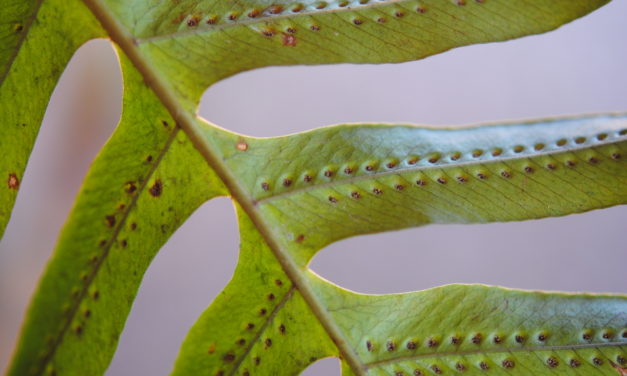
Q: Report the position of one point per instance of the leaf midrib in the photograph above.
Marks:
(263, 328)
(493, 351)
(287, 14)
(120, 35)
(102, 257)
(23, 35)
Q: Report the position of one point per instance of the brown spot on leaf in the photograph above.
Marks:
(597, 361)
(110, 219)
(552, 362)
(241, 145)
(508, 363)
(275, 9)
(250, 326)
(228, 358)
(271, 296)
(130, 187)
(411, 345)
(289, 40)
(13, 182)
(299, 239)
(282, 329)
(156, 189)
(278, 282)
(192, 22)
(369, 346)
(212, 348)
(268, 342)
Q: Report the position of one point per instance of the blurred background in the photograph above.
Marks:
(580, 68)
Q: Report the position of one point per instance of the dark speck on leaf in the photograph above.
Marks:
(156, 188)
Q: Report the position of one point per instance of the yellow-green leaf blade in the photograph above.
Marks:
(258, 325)
(146, 181)
(476, 328)
(199, 43)
(37, 39)
(335, 182)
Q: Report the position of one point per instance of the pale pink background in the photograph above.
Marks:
(577, 69)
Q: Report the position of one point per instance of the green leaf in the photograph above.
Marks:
(321, 186)
(297, 194)
(259, 325)
(146, 181)
(199, 43)
(37, 39)
(445, 330)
